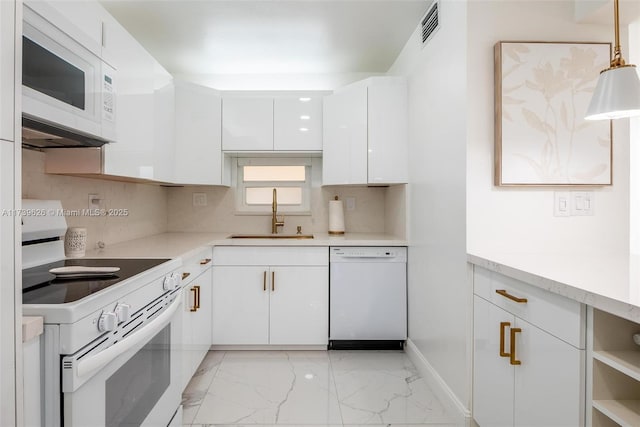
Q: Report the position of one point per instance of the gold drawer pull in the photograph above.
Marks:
(273, 281)
(205, 261)
(185, 275)
(502, 326)
(512, 356)
(197, 296)
(264, 281)
(195, 299)
(505, 294)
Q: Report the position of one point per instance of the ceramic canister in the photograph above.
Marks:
(75, 242)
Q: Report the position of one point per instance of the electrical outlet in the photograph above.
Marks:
(351, 203)
(199, 199)
(93, 201)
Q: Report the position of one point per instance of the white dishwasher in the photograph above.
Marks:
(367, 297)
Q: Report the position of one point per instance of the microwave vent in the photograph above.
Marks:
(430, 22)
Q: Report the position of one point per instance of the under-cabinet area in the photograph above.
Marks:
(614, 368)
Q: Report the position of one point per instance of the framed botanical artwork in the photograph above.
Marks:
(542, 91)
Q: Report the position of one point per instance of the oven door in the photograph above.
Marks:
(134, 382)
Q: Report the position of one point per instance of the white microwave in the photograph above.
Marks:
(65, 85)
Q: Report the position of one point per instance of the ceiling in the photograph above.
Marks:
(271, 36)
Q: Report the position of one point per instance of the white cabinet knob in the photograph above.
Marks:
(170, 282)
(123, 312)
(107, 321)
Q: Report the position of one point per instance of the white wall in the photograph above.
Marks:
(439, 293)
(453, 206)
(517, 219)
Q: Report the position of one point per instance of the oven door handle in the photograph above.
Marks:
(101, 359)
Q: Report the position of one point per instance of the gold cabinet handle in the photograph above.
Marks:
(264, 281)
(195, 299)
(197, 296)
(185, 275)
(273, 281)
(502, 333)
(512, 356)
(506, 294)
(205, 261)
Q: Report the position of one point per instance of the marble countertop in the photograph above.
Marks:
(609, 282)
(172, 245)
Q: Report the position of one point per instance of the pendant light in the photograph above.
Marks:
(617, 93)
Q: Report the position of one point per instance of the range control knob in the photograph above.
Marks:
(107, 321)
(170, 282)
(123, 312)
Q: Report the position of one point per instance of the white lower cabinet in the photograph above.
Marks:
(197, 315)
(522, 374)
(281, 301)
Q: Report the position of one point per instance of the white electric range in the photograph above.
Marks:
(111, 355)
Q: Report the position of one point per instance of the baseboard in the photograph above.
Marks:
(446, 396)
(269, 347)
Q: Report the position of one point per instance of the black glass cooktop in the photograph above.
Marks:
(41, 287)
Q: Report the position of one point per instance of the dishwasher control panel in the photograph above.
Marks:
(399, 254)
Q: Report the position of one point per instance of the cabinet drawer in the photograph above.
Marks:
(562, 317)
(195, 265)
(270, 255)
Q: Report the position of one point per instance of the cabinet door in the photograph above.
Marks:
(187, 336)
(297, 123)
(388, 131)
(133, 153)
(548, 384)
(198, 157)
(163, 133)
(247, 124)
(493, 375)
(7, 70)
(299, 305)
(240, 305)
(196, 324)
(344, 140)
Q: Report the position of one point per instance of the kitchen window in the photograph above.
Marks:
(257, 177)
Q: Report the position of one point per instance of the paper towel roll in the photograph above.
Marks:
(336, 217)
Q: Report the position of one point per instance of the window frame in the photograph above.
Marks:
(242, 208)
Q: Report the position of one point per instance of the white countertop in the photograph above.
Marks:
(171, 245)
(608, 282)
(32, 327)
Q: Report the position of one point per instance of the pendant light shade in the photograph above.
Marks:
(617, 93)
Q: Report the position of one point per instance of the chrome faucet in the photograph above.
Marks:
(274, 218)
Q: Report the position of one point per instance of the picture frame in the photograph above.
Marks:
(542, 91)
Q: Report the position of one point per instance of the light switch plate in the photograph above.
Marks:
(582, 203)
(351, 203)
(561, 203)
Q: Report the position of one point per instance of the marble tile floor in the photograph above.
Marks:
(311, 388)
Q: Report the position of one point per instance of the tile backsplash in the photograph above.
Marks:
(146, 205)
(153, 209)
(219, 214)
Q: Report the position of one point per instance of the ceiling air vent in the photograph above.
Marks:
(430, 22)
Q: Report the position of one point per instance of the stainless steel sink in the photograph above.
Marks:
(271, 236)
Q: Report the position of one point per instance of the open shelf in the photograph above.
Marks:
(627, 362)
(624, 412)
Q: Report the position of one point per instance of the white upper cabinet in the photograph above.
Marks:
(7, 70)
(365, 133)
(198, 134)
(297, 123)
(280, 123)
(344, 151)
(144, 128)
(247, 124)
